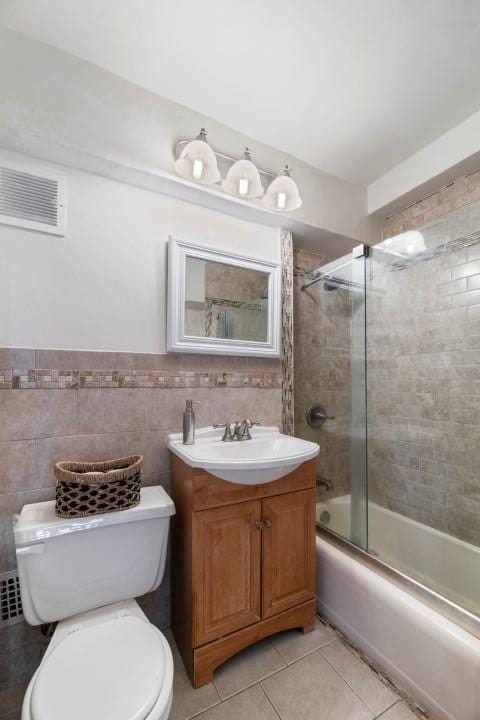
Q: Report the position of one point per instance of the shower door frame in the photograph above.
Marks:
(360, 550)
(358, 374)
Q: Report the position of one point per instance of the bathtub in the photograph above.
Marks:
(406, 628)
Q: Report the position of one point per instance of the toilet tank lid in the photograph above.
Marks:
(37, 522)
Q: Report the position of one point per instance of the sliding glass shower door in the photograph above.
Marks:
(424, 404)
(401, 330)
(330, 385)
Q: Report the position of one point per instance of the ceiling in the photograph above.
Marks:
(352, 87)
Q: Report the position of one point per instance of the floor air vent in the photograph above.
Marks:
(32, 198)
(10, 601)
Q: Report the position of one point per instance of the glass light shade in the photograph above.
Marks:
(411, 242)
(198, 162)
(282, 194)
(243, 179)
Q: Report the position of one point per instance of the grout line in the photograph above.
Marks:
(269, 701)
(199, 713)
(259, 681)
(402, 696)
(28, 490)
(396, 702)
(301, 657)
(379, 672)
(254, 682)
(364, 702)
(363, 662)
(216, 688)
(382, 714)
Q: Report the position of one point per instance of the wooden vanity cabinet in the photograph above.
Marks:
(243, 563)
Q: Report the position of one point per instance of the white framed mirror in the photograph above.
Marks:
(221, 302)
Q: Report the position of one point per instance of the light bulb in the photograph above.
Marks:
(198, 162)
(197, 169)
(282, 194)
(243, 178)
(243, 187)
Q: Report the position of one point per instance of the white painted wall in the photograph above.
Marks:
(103, 286)
(452, 155)
(53, 105)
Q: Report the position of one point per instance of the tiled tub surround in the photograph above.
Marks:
(424, 369)
(322, 355)
(459, 194)
(114, 405)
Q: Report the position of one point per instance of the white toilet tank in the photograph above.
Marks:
(67, 567)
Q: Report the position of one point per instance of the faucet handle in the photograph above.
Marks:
(250, 423)
(227, 435)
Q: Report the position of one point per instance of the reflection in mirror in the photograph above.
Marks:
(225, 301)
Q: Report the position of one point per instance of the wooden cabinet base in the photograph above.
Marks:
(207, 658)
(243, 563)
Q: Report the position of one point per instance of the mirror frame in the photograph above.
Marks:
(178, 341)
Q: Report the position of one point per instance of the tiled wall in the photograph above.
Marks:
(424, 366)
(95, 405)
(426, 211)
(322, 369)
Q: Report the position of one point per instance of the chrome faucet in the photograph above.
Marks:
(227, 435)
(241, 430)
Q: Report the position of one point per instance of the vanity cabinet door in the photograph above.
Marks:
(288, 552)
(226, 569)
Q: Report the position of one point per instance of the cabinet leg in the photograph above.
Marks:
(202, 673)
(308, 628)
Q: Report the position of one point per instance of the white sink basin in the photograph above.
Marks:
(269, 455)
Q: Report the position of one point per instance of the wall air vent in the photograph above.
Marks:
(10, 601)
(32, 198)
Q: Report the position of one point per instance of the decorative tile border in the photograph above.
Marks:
(287, 331)
(12, 379)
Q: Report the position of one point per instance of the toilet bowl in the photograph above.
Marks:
(111, 664)
(106, 661)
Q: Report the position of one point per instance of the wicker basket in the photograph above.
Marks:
(101, 487)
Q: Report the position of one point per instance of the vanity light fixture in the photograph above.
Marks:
(198, 161)
(282, 194)
(243, 178)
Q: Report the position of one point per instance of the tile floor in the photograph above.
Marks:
(287, 677)
(290, 677)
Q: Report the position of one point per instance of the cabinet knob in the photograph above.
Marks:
(259, 525)
(267, 523)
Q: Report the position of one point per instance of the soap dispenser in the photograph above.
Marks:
(189, 422)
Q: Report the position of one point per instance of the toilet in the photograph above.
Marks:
(105, 660)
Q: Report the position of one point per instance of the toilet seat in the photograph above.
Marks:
(119, 669)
